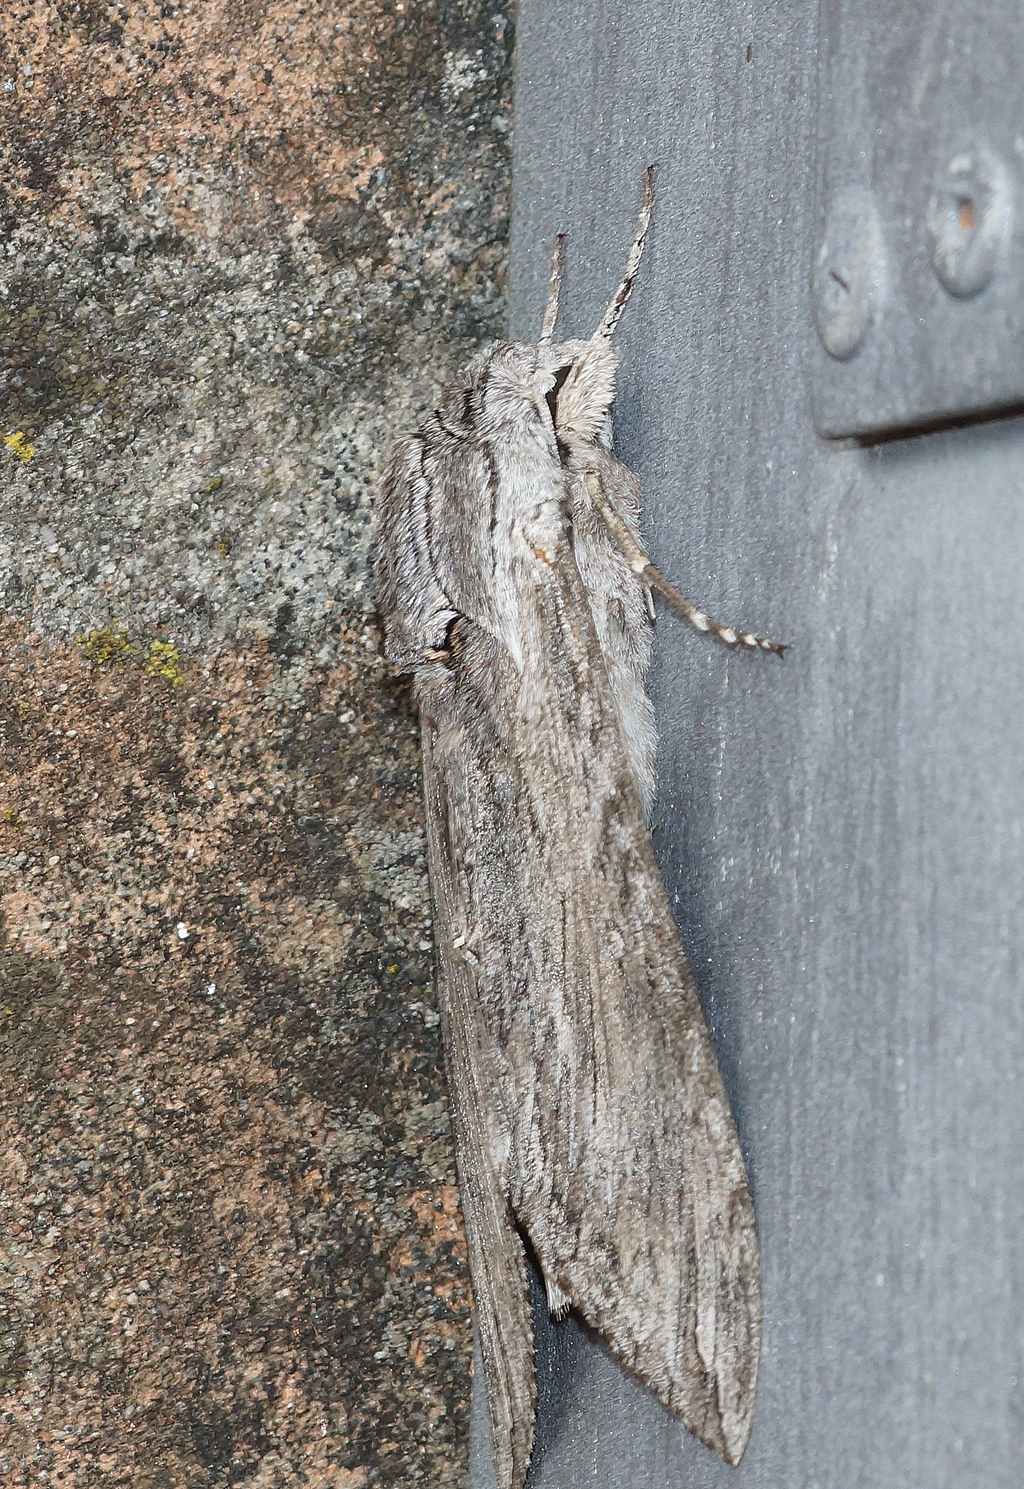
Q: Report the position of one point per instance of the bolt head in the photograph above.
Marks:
(849, 273)
(969, 219)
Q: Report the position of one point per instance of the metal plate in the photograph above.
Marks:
(917, 284)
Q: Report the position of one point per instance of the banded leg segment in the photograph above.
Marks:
(641, 565)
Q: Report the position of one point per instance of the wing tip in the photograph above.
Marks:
(726, 1434)
(736, 1435)
(512, 1458)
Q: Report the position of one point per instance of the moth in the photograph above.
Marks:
(591, 1123)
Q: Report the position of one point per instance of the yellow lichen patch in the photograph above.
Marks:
(9, 817)
(106, 646)
(164, 661)
(19, 445)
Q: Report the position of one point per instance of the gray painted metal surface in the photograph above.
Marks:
(843, 833)
(919, 269)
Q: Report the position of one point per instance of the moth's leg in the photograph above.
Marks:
(547, 329)
(559, 1302)
(641, 565)
(636, 253)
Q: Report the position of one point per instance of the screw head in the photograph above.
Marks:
(849, 273)
(968, 219)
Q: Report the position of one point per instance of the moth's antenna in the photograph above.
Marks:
(655, 579)
(547, 329)
(636, 253)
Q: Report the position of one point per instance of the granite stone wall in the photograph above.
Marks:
(241, 243)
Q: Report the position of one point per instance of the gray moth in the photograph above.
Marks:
(589, 1113)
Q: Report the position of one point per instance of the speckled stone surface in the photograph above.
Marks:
(241, 246)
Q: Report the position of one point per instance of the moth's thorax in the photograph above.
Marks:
(477, 498)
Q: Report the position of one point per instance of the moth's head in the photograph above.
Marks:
(505, 389)
(569, 385)
(580, 387)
